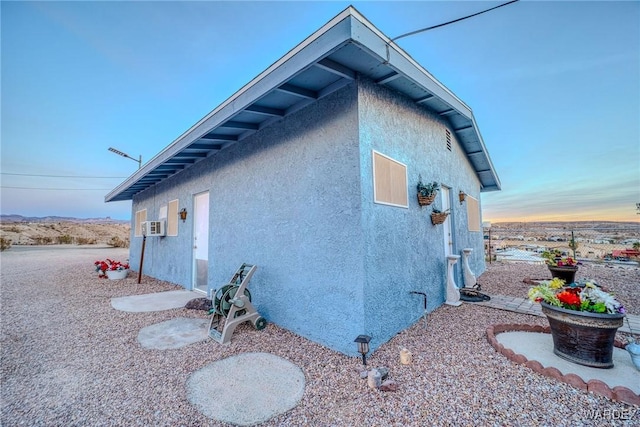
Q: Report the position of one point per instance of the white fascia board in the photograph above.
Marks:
(486, 153)
(346, 26)
(376, 42)
(313, 48)
(380, 45)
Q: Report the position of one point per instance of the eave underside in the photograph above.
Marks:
(334, 56)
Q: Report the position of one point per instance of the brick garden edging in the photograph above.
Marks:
(618, 393)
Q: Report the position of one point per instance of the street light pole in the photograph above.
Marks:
(120, 153)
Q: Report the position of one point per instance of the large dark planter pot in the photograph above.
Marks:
(583, 337)
(568, 274)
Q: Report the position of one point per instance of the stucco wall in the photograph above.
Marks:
(404, 251)
(296, 199)
(288, 200)
(166, 258)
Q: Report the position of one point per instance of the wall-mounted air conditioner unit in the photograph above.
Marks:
(153, 228)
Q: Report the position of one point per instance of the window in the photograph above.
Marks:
(389, 181)
(473, 214)
(141, 216)
(172, 218)
(163, 213)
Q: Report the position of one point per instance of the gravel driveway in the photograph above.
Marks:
(70, 359)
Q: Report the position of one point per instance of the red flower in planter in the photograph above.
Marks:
(554, 258)
(588, 297)
(103, 266)
(569, 298)
(567, 262)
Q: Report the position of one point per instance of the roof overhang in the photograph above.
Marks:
(326, 61)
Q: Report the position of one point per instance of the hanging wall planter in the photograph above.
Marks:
(438, 217)
(426, 200)
(426, 192)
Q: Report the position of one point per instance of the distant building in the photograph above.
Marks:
(630, 241)
(519, 256)
(625, 253)
(602, 241)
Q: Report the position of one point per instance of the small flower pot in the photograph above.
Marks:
(117, 274)
(568, 274)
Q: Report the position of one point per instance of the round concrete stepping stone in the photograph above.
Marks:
(246, 389)
(157, 301)
(174, 333)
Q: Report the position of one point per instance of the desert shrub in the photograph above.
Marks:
(42, 240)
(85, 241)
(64, 239)
(4, 243)
(117, 242)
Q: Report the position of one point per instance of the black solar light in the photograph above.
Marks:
(363, 346)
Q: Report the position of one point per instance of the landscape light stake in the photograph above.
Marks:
(363, 346)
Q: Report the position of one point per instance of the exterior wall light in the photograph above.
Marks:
(462, 195)
(363, 346)
(183, 214)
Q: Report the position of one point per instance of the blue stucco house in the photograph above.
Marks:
(309, 171)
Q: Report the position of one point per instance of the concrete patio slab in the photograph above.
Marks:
(174, 333)
(246, 389)
(539, 347)
(157, 301)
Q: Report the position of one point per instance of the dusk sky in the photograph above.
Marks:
(554, 87)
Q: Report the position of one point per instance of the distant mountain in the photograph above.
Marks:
(46, 219)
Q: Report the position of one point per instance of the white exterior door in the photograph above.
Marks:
(448, 234)
(201, 242)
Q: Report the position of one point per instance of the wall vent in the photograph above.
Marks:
(448, 139)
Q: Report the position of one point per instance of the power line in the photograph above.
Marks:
(443, 24)
(59, 189)
(452, 22)
(61, 176)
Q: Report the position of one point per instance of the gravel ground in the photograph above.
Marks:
(70, 359)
